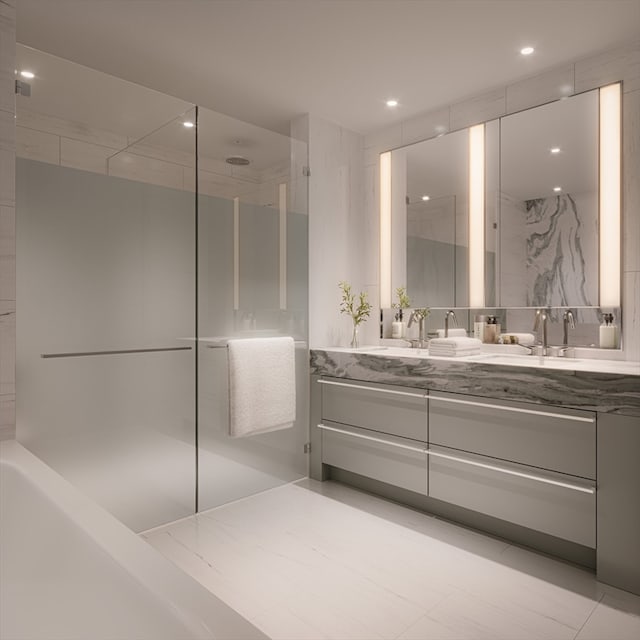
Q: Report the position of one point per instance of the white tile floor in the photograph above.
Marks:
(321, 560)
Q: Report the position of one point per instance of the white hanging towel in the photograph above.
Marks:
(262, 385)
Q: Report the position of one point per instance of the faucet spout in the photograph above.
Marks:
(419, 316)
(452, 315)
(541, 324)
(568, 321)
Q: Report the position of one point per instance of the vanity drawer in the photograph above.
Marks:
(400, 411)
(552, 503)
(552, 438)
(396, 461)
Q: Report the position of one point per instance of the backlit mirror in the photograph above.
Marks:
(551, 211)
(435, 207)
(548, 223)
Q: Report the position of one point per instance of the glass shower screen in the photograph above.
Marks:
(106, 295)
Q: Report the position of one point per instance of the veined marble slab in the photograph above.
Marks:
(596, 385)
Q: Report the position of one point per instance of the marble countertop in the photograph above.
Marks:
(610, 386)
(509, 355)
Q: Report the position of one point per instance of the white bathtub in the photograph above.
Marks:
(68, 569)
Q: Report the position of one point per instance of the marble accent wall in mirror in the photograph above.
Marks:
(548, 222)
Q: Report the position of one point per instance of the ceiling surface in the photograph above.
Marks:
(268, 61)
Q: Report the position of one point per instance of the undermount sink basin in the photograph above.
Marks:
(516, 358)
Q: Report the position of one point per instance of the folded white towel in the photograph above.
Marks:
(460, 342)
(453, 333)
(262, 385)
(453, 353)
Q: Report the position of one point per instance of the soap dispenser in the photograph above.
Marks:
(608, 332)
(398, 327)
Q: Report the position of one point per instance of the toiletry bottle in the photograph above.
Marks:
(397, 327)
(491, 330)
(478, 327)
(608, 332)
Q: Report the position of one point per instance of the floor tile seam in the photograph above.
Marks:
(322, 636)
(378, 585)
(160, 527)
(593, 610)
(426, 613)
(513, 608)
(620, 594)
(280, 487)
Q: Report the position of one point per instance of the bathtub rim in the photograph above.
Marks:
(202, 613)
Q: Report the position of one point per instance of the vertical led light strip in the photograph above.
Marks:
(236, 254)
(385, 230)
(476, 216)
(282, 201)
(609, 161)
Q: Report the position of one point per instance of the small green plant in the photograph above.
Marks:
(358, 313)
(403, 299)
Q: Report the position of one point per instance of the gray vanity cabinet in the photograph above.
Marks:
(553, 503)
(525, 464)
(529, 465)
(551, 438)
(400, 411)
(377, 431)
(619, 500)
(393, 460)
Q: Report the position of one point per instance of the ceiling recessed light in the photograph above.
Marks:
(425, 198)
(27, 74)
(527, 51)
(187, 124)
(392, 103)
(555, 149)
(557, 189)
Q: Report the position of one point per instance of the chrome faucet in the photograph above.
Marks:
(541, 323)
(452, 315)
(567, 321)
(420, 316)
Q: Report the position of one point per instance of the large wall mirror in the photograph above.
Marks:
(434, 204)
(548, 222)
(430, 202)
(546, 215)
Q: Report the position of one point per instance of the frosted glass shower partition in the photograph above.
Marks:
(252, 282)
(137, 244)
(106, 298)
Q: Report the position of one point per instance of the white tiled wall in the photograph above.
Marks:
(7, 220)
(74, 144)
(339, 232)
(623, 64)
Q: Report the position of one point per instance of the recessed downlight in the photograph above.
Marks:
(555, 149)
(392, 103)
(527, 51)
(425, 198)
(188, 124)
(557, 189)
(27, 74)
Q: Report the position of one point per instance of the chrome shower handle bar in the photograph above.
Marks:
(112, 352)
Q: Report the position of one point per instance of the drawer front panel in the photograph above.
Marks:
(567, 512)
(394, 461)
(395, 410)
(560, 440)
